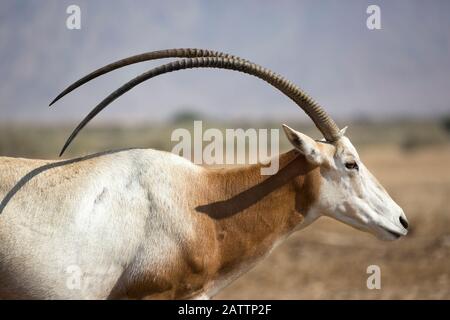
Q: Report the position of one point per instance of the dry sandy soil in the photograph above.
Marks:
(328, 260)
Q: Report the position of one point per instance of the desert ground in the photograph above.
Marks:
(327, 260)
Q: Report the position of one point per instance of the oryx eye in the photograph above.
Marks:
(351, 165)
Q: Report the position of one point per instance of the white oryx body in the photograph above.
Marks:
(150, 224)
(100, 219)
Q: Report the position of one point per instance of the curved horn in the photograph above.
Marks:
(317, 114)
(161, 54)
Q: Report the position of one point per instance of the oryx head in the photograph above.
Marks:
(348, 191)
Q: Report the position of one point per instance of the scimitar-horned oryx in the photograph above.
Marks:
(150, 224)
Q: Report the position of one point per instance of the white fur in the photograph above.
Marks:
(101, 221)
(303, 143)
(356, 198)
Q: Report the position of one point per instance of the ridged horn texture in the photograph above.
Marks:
(154, 55)
(317, 114)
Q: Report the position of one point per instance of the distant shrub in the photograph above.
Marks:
(186, 116)
(415, 141)
(445, 122)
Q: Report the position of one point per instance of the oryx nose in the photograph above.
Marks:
(404, 222)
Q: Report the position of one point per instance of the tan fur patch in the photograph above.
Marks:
(240, 215)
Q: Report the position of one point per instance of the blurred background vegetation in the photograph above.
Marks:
(27, 140)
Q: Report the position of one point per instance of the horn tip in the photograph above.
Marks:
(63, 150)
(59, 96)
(54, 100)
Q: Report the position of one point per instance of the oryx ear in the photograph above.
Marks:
(343, 130)
(304, 144)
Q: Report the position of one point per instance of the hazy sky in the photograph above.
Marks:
(323, 46)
